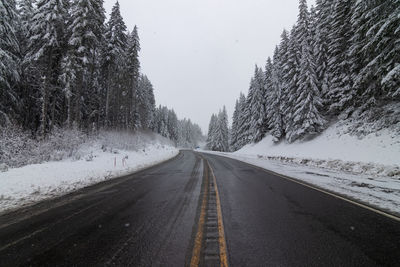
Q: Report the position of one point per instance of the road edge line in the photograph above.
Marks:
(322, 190)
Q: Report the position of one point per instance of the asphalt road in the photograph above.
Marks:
(198, 209)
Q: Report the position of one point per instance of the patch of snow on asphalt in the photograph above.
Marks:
(35, 182)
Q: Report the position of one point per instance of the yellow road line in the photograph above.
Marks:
(199, 235)
(223, 255)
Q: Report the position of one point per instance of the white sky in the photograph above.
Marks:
(200, 54)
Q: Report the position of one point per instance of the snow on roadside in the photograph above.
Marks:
(381, 192)
(336, 143)
(35, 182)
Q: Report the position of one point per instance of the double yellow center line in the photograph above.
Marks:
(210, 191)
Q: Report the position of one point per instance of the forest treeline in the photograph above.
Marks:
(63, 65)
(340, 59)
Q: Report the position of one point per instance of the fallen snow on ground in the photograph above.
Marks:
(35, 182)
(335, 143)
(363, 167)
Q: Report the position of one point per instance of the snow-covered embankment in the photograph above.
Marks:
(98, 162)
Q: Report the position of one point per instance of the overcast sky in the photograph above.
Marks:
(200, 54)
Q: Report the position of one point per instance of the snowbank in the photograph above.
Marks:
(381, 147)
(100, 159)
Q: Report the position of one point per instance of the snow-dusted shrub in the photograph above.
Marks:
(60, 144)
(18, 148)
(113, 141)
(3, 167)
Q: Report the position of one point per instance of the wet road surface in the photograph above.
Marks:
(198, 209)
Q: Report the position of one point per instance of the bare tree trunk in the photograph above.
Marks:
(45, 97)
(69, 112)
(43, 118)
(78, 99)
(108, 98)
(53, 111)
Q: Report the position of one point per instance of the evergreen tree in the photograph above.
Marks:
(374, 51)
(116, 42)
(46, 48)
(68, 81)
(145, 102)
(172, 125)
(281, 67)
(9, 65)
(133, 73)
(86, 28)
(275, 103)
(257, 106)
(235, 127)
(218, 133)
(211, 132)
(290, 76)
(223, 133)
(29, 85)
(340, 94)
(246, 131)
(306, 118)
(242, 123)
(321, 43)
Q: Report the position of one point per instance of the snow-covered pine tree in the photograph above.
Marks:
(163, 127)
(9, 64)
(29, 85)
(282, 66)
(146, 102)
(133, 73)
(387, 42)
(257, 106)
(306, 116)
(86, 29)
(189, 134)
(340, 94)
(275, 103)
(218, 133)
(116, 42)
(235, 127)
(68, 81)
(242, 123)
(321, 43)
(247, 131)
(223, 133)
(290, 76)
(268, 87)
(375, 51)
(26, 11)
(46, 49)
(172, 125)
(211, 132)
(155, 124)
